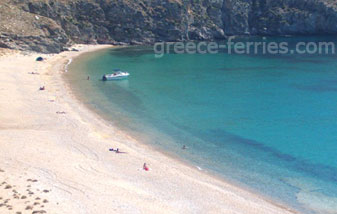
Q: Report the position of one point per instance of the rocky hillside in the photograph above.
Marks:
(51, 25)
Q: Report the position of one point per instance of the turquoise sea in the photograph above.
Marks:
(265, 122)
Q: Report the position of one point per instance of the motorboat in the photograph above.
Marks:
(116, 75)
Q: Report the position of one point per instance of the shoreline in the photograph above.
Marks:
(176, 158)
(79, 140)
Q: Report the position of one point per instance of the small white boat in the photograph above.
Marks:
(117, 75)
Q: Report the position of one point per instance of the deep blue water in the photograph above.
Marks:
(266, 122)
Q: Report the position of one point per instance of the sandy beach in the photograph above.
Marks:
(54, 155)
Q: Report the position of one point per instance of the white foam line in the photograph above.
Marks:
(199, 168)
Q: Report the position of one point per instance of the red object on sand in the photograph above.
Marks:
(145, 167)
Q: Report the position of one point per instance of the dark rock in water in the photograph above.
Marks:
(51, 26)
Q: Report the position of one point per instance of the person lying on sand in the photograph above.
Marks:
(42, 88)
(33, 73)
(119, 152)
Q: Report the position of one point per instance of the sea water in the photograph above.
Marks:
(265, 122)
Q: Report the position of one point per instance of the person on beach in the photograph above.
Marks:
(117, 151)
(145, 167)
(33, 73)
(88, 78)
(184, 147)
(42, 88)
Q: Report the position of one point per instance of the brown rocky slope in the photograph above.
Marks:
(51, 25)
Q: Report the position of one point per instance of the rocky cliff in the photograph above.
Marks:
(51, 25)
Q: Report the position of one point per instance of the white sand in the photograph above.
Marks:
(68, 156)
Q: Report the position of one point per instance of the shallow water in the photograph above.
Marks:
(266, 122)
